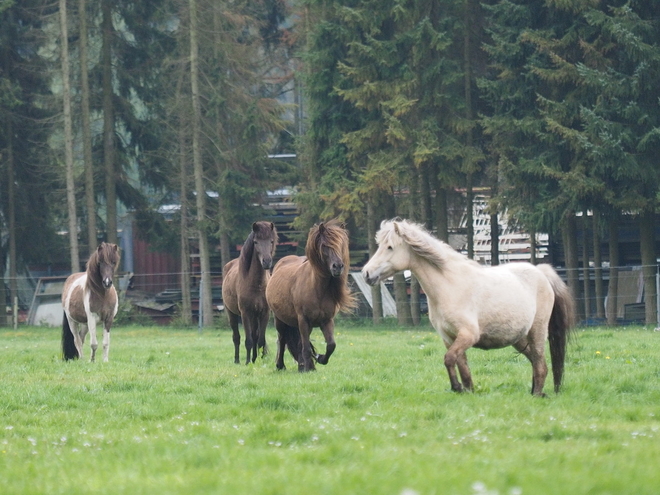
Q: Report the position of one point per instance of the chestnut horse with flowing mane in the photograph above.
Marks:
(471, 305)
(307, 291)
(87, 298)
(244, 289)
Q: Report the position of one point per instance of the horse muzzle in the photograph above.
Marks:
(267, 263)
(337, 269)
(107, 283)
(371, 279)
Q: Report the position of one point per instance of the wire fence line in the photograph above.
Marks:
(166, 286)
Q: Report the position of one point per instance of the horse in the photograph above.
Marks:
(87, 298)
(244, 286)
(308, 291)
(472, 305)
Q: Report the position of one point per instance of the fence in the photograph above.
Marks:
(159, 294)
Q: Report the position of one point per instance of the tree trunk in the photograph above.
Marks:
(401, 296)
(470, 7)
(206, 302)
(613, 286)
(376, 296)
(186, 305)
(441, 215)
(221, 165)
(494, 221)
(414, 206)
(649, 265)
(11, 199)
(532, 246)
(569, 234)
(68, 141)
(108, 125)
(586, 290)
(3, 290)
(90, 198)
(598, 267)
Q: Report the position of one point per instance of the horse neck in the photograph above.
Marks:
(427, 272)
(252, 268)
(94, 282)
(333, 288)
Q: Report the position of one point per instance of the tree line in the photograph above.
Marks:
(552, 105)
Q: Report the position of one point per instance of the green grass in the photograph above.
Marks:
(171, 413)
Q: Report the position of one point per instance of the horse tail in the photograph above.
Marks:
(561, 324)
(69, 350)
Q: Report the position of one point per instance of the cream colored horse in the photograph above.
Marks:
(471, 305)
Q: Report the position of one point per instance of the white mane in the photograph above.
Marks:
(420, 241)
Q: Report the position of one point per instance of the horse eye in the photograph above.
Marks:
(390, 248)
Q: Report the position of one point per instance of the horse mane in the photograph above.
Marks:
(334, 236)
(260, 230)
(423, 243)
(105, 252)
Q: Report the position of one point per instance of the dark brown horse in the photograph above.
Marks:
(307, 291)
(244, 287)
(87, 298)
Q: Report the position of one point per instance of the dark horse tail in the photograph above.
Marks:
(561, 323)
(69, 350)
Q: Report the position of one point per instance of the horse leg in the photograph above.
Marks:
(91, 326)
(281, 343)
(77, 339)
(464, 371)
(106, 343)
(329, 333)
(535, 352)
(236, 337)
(250, 342)
(307, 361)
(455, 356)
(263, 323)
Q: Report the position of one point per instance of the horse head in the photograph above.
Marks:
(391, 256)
(264, 243)
(108, 259)
(327, 248)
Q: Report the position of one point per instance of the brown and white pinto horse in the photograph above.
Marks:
(89, 297)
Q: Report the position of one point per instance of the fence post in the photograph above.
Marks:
(657, 297)
(200, 311)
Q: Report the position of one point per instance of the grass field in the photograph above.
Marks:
(171, 413)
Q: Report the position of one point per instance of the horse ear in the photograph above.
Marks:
(321, 228)
(396, 228)
(254, 227)
(100, 248)
(272, 226)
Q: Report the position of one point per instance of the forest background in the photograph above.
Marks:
(390, 106)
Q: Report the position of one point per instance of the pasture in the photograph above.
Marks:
(172, 413)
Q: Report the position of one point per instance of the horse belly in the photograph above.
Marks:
(229, 292)
(495, 335)
(278, 296)
(74, 303)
